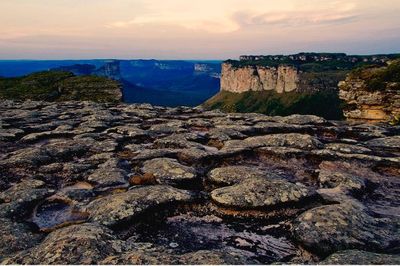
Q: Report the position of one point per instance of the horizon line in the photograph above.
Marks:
(193, 59)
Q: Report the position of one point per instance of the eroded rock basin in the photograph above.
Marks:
(55, 213)
(85, 183)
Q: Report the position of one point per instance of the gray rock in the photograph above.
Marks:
(155, 257)
(267, 192)
(279, 128)
(10, 133)
(148, 154)
(169, 128)
(334, 174)
(130, 131)
(230, 175)
(347, 148)
(34, 156)
(359, 257)
(76, 244)
(62, 132)
(176, 141)
(15, 237)
(389, 143)
(291, 140)
(343, 226)
(20, 199)
(120, 208)
(303, 119)
(169, 171)
(113, 173)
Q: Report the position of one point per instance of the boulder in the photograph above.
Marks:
(343, 226)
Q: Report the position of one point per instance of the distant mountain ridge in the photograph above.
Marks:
(159, 82)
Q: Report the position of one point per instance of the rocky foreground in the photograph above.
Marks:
(86, 183)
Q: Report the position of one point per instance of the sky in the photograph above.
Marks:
(195, 29)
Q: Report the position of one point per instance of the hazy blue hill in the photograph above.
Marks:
(168, 82)
(160, 82)
(137, 94)
(16, 68)
(78, 69)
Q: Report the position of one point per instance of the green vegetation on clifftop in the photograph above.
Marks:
(315, 62)
(377, 79)
(60, 86)
(326, 104)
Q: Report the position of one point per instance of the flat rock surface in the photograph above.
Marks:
(90, 183)
(359, 257)
(345, 226)
(230, 175)
(271, 191)
(123, 207)
(169, 171)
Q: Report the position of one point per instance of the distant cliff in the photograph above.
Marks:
(282, 78)
(372, 93)
(304, 83)
(259, 78)
(110, 70)
(304, 72)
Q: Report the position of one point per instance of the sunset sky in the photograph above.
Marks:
(186, 29)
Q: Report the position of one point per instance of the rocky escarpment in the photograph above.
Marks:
(303, 72)
(110, 70)
(258, 78)
(91, 183)
(281, 78)
(372, 93)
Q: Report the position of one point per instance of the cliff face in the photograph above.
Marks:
(303, 72)
(109, 70)
(281, 79)
(371, 94)
(259, 78)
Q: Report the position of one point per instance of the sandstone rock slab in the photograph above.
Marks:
(121, 208)
(261, 192)
(169, 171)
